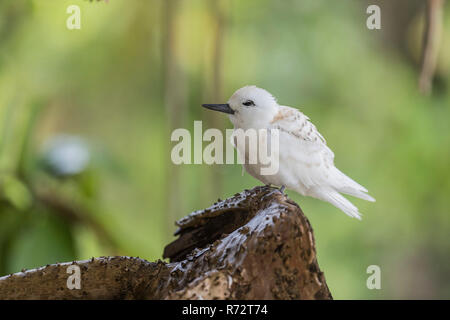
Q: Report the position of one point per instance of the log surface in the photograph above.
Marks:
(255, 245)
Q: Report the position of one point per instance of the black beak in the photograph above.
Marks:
(225, 108)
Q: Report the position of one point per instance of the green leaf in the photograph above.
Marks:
(16, 193)
(46, 240)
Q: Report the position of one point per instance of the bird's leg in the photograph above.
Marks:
(275, 189)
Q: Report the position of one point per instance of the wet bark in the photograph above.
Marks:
(255, 245)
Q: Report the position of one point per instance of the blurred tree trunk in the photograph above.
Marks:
(431, 42)
(175, 100)
(255, 245)
(398, 18)
(215, 120)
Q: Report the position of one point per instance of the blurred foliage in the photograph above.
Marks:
(99, 92)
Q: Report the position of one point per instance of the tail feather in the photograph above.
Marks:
(356, 193)
(347, 185)
(337, 200)
(344, 181)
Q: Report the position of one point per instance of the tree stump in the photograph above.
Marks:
(255, 245)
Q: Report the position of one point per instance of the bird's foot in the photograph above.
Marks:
(274, 190)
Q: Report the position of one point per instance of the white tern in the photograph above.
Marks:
(306, 163)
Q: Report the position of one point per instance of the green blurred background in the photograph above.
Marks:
(86, 117)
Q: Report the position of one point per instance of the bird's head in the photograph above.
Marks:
(248, 107)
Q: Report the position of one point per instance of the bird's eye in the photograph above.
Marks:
(248, 103)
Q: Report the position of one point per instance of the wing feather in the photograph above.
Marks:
(304, 147)
(311, 169)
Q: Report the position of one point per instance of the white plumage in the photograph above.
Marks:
(306, 163)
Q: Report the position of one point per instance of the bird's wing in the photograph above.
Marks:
(297, 124)
(305, 149)
(311, 163)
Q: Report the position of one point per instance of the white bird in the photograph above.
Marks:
(306, 163)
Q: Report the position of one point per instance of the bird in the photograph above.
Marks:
(306, 163)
